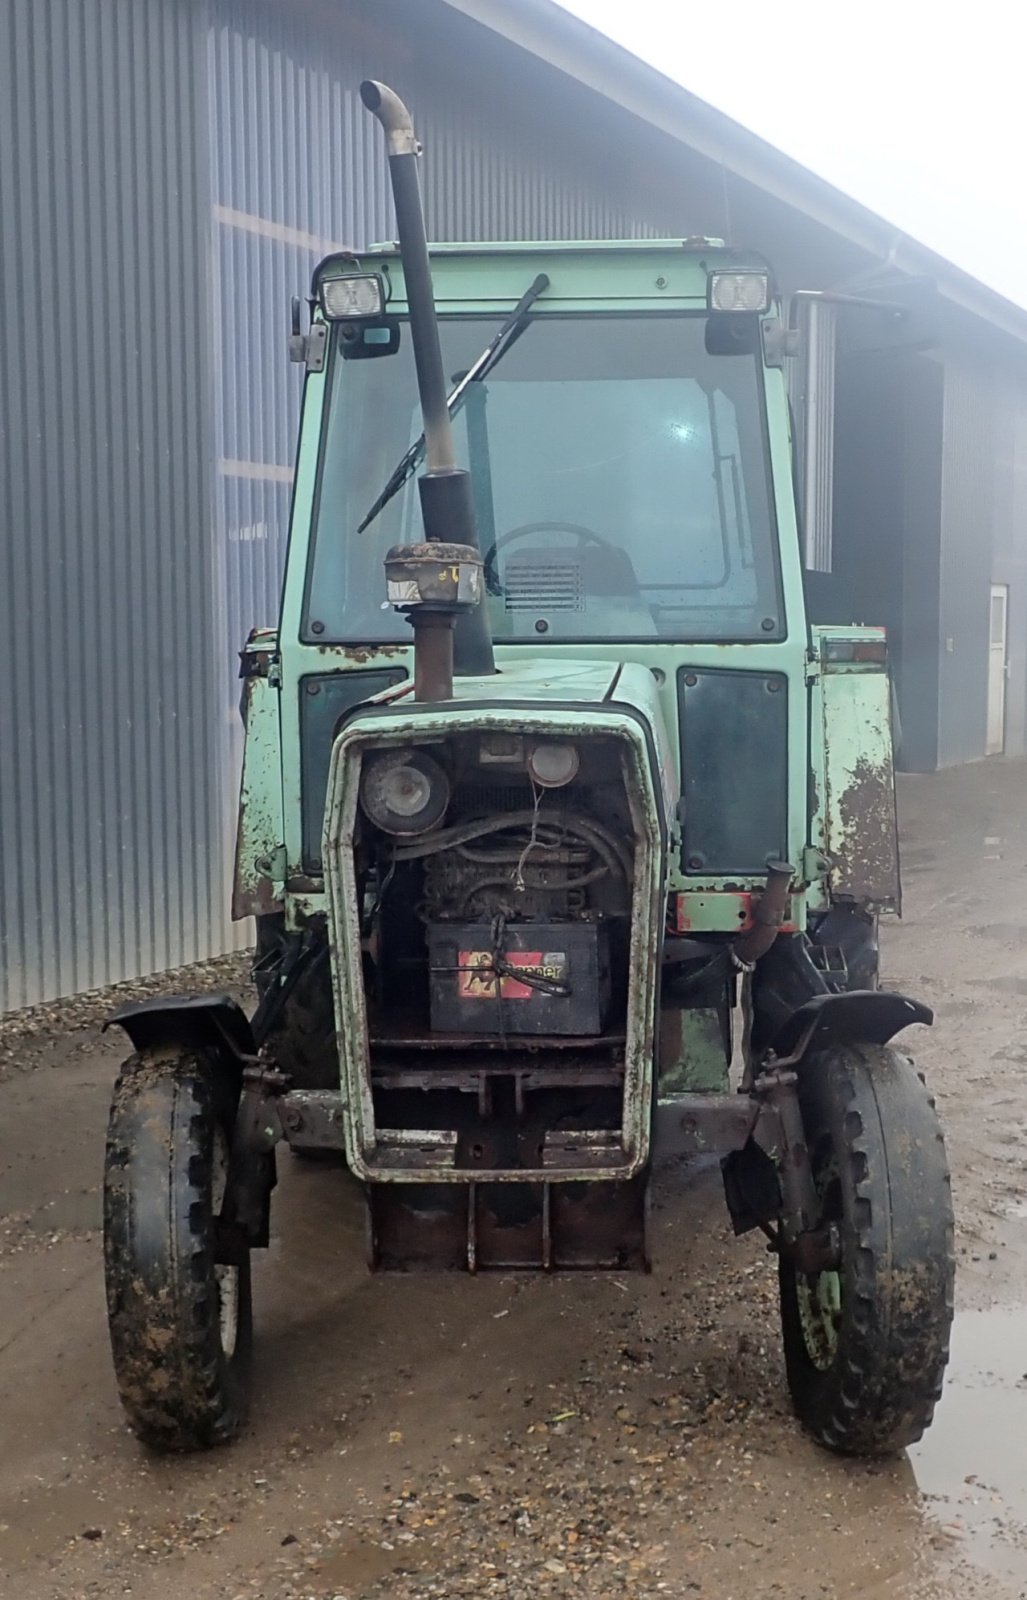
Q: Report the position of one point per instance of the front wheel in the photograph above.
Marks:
(866, 1344)
(178, 1301)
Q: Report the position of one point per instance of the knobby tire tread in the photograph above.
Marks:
(879, 1395)
(178, 1388)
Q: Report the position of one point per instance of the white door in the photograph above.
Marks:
(997, 670)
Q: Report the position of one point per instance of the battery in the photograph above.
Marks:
(554, 978)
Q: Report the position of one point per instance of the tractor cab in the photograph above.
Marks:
(621, 472)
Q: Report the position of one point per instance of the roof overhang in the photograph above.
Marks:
(547, 31)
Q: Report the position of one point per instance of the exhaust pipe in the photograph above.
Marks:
(416, 574)
(767, 916)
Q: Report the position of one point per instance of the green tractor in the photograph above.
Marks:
(565, 833)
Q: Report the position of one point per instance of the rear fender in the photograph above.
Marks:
(865, 1016)
(190, 1021)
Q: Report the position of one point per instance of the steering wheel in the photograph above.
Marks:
(582, 534)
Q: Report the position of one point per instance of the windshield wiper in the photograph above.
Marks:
(494, 351)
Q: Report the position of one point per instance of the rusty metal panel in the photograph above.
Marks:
(860, 830)
(548, 1226)
(258, 882)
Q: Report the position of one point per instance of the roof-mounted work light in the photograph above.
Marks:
(355, 295)
(738, 291)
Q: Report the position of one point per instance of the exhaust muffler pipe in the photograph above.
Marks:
(447, 505)
(767, 916)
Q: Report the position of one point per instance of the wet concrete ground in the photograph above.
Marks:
(516, 1438)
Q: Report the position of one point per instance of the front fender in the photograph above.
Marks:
(188, 1021)
(868, 1016)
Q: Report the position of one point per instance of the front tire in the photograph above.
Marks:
(866, 1345)
(180, 1315)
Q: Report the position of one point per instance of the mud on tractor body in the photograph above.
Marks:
(565, 834)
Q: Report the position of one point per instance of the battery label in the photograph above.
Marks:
(478, 980)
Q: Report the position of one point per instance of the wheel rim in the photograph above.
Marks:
(819, 1295)
(226, 1278)
(820, 1311)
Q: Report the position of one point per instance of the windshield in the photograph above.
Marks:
(620, 480)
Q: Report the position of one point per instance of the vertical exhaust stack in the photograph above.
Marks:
(439, 583)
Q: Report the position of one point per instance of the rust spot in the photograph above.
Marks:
(255, 898)
(361, 654)
(866, 865)
(255, 663)
(303, 885)
(259, 825)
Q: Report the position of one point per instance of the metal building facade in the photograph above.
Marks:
(170, 171)
(109, 783)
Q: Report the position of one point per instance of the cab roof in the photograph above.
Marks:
(585, 270)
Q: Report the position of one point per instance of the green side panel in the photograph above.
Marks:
(733, 721)
(693, 1058)
(324, 700)
(259, 848)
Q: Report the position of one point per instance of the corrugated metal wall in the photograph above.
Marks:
(108, 773)
(170, 170)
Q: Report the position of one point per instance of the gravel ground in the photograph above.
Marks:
(599, 1436)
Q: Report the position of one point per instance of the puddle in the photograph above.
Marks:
(970, 1465)
(364, 1564)
(1008, 982)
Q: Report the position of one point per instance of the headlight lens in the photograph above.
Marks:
(404, 791)
(553, 765)
(359, 295)
(739, 291)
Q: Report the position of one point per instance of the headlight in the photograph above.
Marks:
(404, 791)
(738, 291)
(354, 296)
(553, 765)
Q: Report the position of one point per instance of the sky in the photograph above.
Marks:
(923, 119)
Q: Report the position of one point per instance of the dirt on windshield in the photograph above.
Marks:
(591, 1436)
